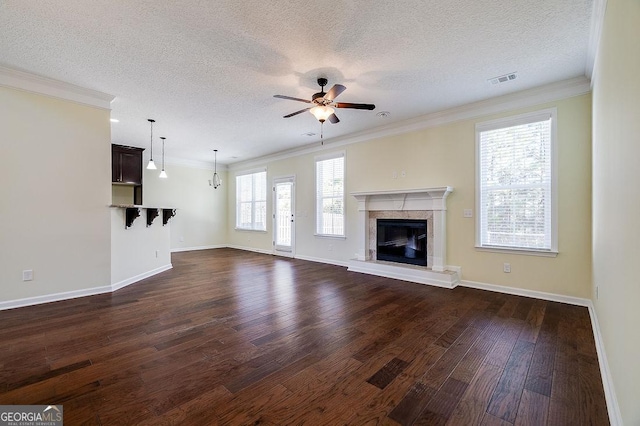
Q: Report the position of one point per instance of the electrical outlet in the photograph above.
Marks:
(330, 247)
(394, 175)
(181, 239)
(403, 174)
(467, 213)
(27, 275)
(507, 268)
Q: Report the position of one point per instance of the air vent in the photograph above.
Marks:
(308, 134)
(503, 78)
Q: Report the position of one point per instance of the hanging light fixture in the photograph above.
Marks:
(151, 165)
(215, 182)
(163, 174)
(321, 112)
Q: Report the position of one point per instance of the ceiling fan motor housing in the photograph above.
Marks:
(318, 98)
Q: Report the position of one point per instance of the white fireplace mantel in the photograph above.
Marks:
(422, 199)
(408, 199)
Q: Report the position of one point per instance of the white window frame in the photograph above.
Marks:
(318, 159)
(253, 201)
(540, 115)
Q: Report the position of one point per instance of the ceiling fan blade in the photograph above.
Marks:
(291, 98)
(296, 113)
(334, 119)
(335, 91)
(354, 106)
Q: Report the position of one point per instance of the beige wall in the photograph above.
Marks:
(54, 192)
(442, 156)
(616, 199)
(122, 194)
(201, 218)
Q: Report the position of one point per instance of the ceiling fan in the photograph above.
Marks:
(323, 103)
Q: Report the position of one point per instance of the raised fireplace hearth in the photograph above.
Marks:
(426, 206)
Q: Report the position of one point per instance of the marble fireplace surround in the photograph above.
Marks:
(423, 203)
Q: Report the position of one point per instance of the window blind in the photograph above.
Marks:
(330, 196)
(251, 201)
(515, 179)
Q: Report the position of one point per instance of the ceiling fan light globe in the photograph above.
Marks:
(321, 113)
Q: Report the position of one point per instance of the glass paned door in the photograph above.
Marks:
(283, 217)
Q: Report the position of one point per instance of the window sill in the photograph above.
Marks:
(264, 231)
(338, 237)
(526, 252)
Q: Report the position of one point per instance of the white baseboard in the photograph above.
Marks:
(255, 250)
(527, 293)
(615, 417)
(216, 246)
(322, 260)
(283, 254)
(47, 298)
(140, 277)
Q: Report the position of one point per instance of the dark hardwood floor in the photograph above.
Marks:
(231, 337)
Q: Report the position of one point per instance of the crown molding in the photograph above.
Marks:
(523, 99)
(22, 80)
(595, 33)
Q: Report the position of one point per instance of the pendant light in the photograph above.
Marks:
(151, 165)
(215, 182)
(163, 174)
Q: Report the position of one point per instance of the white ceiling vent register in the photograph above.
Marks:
(503, 78)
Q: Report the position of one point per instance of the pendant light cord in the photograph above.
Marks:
(151, 141)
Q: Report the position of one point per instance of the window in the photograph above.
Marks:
(330, 195)
(516, 183)
(251, 201)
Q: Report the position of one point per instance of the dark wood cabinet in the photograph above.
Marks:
(126, 168)
(126, 164)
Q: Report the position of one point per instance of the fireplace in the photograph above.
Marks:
(425, 205)
(402, 241)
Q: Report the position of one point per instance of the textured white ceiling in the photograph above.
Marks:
(207, 71)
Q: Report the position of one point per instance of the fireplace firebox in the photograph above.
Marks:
(402, 240)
